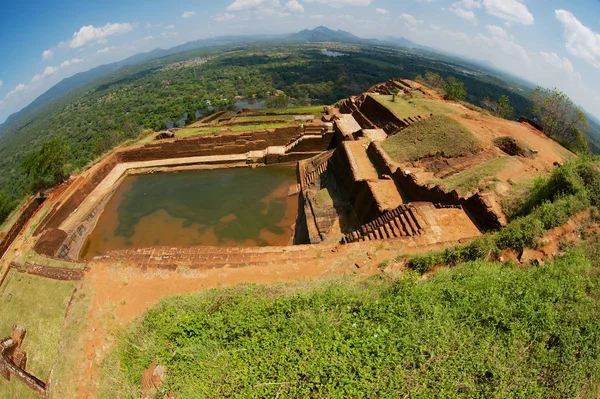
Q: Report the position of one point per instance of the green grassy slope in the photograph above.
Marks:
(435, 136)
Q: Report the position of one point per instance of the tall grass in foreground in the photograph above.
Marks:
(477, 330)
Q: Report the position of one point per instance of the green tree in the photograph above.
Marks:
(6, 206)
(396, 91)
(280, 101)
(504, 108)
(501, 108)
(46, 167)
(434, 80)
(455, 90)
(560, 118)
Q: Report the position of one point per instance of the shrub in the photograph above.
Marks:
(521, 233)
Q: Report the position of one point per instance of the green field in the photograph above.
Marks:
(404, 108)
(435, 136)
(196, 131)
(262, 118)
(39, 305)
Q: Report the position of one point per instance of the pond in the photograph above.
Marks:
(220, 207)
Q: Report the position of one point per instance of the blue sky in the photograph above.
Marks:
(553, 43)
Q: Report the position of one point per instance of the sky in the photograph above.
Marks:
(552, 43)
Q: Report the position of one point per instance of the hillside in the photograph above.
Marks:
(145, 95)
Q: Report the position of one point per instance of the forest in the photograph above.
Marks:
(141, 97)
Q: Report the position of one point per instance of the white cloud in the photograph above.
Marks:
(500, 38)
(47, 55)
(1, 83)
(148, 37)
(317, 16)
(225, 17)
(20, 87)
(49, 70)
(410, 21)
(511, 10)
(89, 34)
(581, 41)
(106, 50)
(262, 9)
(561, 64)
(169, 27)
(464, 9)
(342, 3)
(465, 14)
(382, 11)
(169, 34)
(71, 62)
(188, 14)
(243, 5)
(293, 6)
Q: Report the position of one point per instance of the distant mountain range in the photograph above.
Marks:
(317, 35)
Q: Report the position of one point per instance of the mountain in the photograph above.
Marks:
(403, 42)
(324, 34)
(319, 34)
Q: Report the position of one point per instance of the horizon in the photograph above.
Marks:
(555, 46)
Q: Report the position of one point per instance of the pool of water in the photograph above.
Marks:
(221, 207)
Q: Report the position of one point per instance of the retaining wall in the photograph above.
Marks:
(381, 116)
(364, 203)
(221, 144)
(27, 214)
(476, 205)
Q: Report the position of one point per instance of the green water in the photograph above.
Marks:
(222, 207)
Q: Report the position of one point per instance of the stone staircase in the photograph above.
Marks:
(404, 221)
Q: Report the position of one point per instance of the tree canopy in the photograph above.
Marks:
(560, 118)
(46, 167)
(455, 90)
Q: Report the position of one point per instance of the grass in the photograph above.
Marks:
(39, 305)
(35, 258)
(189, 132)
(435, 136)
(317, 109)
(323, 199)
(265, 118)
(404, 108)
(475, 178)
(478, 330)
(71, 345)
(12, 218)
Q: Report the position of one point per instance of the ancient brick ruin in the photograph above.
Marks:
(13, 361)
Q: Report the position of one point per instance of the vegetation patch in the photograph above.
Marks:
(189, 132)
(405, 108)
(436, 136)
(479, 330)
(39, 305)
(570, 189)
(475, 178)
